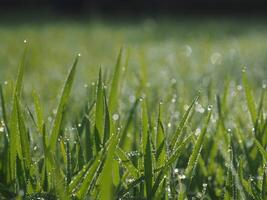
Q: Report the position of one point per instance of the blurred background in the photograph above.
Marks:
(136, 7)
(189, 44)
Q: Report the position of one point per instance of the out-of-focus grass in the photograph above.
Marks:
(187, 51)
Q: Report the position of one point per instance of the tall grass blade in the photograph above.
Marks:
(114, 91)
(61, 106)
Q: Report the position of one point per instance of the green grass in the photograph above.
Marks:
(176, 115)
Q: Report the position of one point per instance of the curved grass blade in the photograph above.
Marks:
(61, 106)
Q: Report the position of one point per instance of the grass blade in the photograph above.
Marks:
(113, 95)
(61, 106)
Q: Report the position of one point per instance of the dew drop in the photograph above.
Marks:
(79, 125)
(169, 125)
(25, 41)
(79, 55)
(197, 132)
(244, 69)
(85, 85)
(210, 107)
(216, 58)
(6, 82)
(115, 117)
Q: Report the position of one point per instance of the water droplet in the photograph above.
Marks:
(186, 107)
(197, 132)
(173, 81)
(5, 82)
(216, 58)
(79, 125)
(239, 87)
(25, 41)
(115, 117)
(244, 69)
(85, 85)
(54, 111)
(199, 108)
(169, 125)
(21, 193)
(264, 86)
(176, 170)
(182, 177)
(173, 100)
(93, 83)
(35, 148)
(204, 185)
(210, 107)
(188, 50)
(79, 55)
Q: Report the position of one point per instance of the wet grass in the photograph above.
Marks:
(176, 116)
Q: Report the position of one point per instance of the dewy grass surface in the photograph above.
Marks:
(178, 116)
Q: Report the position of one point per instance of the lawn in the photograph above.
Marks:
(133, 109)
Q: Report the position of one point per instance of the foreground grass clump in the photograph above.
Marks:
(213, 152)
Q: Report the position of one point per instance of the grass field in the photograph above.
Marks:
(147, 109)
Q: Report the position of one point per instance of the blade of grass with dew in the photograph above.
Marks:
(127, 163)
(61, 106)
(114, 91)
(99, 113)
(193, 159)
(14, 148)
(177, 137)
(107, 121)
(160, 141)
(264, 183)
(261, 150)
(38, 111)
(105, 179)
(249, 97)
(92, 173)
(24, 138)
(128, 122)
(148, 168)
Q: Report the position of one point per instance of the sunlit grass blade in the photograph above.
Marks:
(61, 106)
